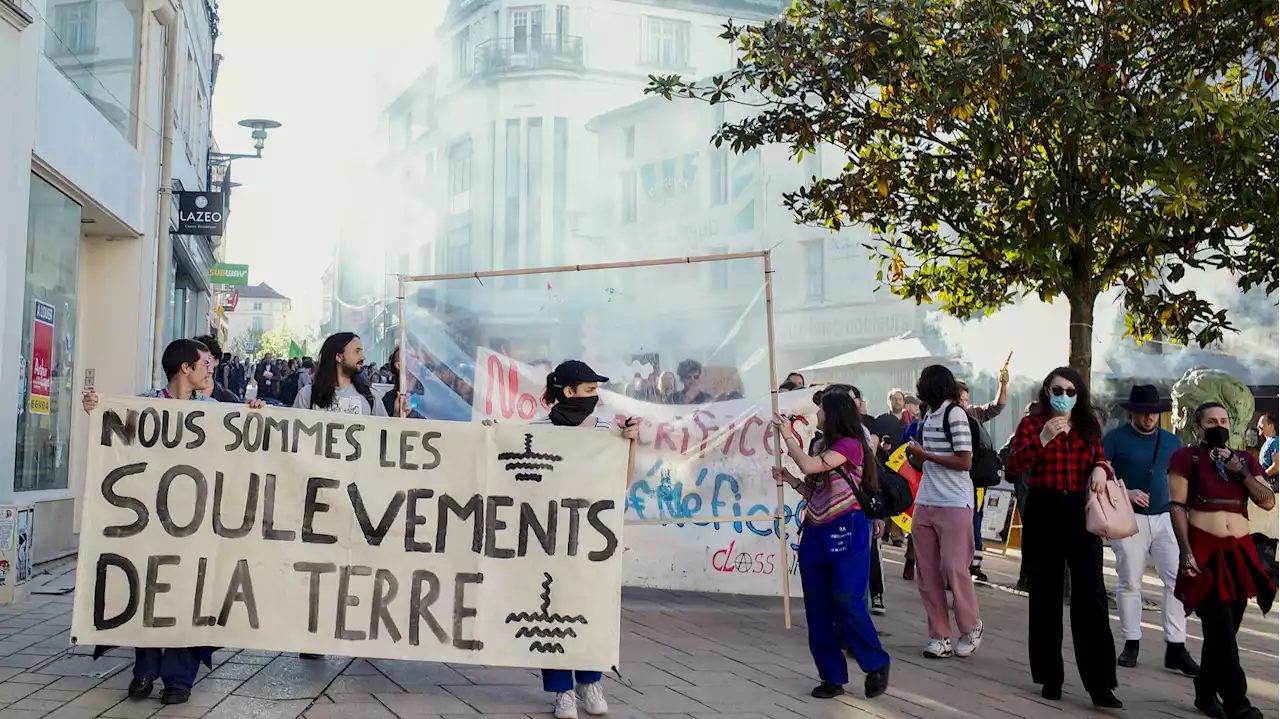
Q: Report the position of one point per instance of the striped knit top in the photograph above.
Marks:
(832, 495)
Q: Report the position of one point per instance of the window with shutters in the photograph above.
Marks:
(666, 43)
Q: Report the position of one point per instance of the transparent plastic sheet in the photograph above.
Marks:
(686, 348)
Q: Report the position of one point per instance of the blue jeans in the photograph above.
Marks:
(177, 668)
(835, 568)
(559, 681)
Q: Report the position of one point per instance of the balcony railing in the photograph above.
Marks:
(535, 52)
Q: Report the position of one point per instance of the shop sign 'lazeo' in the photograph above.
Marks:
(200, 213)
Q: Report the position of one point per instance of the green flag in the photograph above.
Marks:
(294, 350)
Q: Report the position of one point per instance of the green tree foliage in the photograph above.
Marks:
(274, 342)
(246, 343)
(1000, 148)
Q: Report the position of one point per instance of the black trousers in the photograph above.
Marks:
(1220, 671)
(876, 586)
(1055, 536)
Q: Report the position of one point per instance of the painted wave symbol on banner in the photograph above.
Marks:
(544, 616)
(533, 463)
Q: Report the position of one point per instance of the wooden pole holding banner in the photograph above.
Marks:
(779, 518)
(781, 522)
(585, 268)
(401, 406)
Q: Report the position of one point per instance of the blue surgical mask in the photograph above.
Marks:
(1062, 404)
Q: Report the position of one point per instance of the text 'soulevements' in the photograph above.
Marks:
(218, 525)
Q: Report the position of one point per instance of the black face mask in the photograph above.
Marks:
(573, 411)
(1217, 437)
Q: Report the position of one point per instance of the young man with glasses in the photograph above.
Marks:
(188, 366)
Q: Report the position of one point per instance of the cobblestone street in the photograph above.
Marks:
(684, 655)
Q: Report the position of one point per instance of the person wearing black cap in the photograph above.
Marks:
(1140, 451)
(573, 392)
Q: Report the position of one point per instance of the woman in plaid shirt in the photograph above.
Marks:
(1059, 447)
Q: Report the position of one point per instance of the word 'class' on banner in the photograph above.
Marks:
(218, 525)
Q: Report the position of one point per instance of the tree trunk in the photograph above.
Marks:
(1080, 331)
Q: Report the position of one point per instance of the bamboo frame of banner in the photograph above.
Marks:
(779, 516)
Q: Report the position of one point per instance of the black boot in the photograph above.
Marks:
(827, 690)
(1129, 657)
(1177, 658)
(174, 696)
(877, 682)
(1052, 692)
(1211, 707)
(1105, 699)
(141, 688)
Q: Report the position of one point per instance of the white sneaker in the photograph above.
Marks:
(592, 697)
(566, 705)
(938, 649)
(969, 641)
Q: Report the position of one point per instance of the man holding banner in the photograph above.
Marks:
(371, 537)
(188, 364)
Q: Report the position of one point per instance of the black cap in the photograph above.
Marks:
(572, 372)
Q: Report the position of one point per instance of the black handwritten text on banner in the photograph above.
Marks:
(219, 525)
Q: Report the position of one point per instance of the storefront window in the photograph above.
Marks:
(97, 45)
(48, 341)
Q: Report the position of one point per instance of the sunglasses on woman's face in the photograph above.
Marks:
(1059, 391)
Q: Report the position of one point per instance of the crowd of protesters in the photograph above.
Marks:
(1192, 507)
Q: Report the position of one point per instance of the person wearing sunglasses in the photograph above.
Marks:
(1059, 447)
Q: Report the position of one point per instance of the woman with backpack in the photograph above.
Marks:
(835, 545)
(942, 523)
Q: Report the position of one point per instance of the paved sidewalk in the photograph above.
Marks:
(684, 655)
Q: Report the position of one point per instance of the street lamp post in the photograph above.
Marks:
(224, 159)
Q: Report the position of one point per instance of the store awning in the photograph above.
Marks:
(898, 349)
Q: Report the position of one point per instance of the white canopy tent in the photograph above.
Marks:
(898, 349)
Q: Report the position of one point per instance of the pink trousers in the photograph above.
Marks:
(944, 548)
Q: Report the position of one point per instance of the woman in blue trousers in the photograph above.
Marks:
(835, 547)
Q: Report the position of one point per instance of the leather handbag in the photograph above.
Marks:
(1109, 514)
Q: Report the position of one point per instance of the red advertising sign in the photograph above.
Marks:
(231, 302)
(41, 359)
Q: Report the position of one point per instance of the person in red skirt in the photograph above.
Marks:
(1210, 488)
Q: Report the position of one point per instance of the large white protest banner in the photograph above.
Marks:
(705, 468)
(218, 525)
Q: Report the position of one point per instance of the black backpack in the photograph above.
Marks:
(894, 497)
(986, 470)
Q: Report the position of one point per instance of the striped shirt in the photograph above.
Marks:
(601, 423)
(940, 486)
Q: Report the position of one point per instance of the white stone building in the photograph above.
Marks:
(81, 144)
(489, 162)
(665, 190)
(259, 309)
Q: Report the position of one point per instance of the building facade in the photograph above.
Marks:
(665, 190)
(259, 310)
(81, 142)
(489, 162)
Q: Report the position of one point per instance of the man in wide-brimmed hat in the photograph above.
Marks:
(1140, 453)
